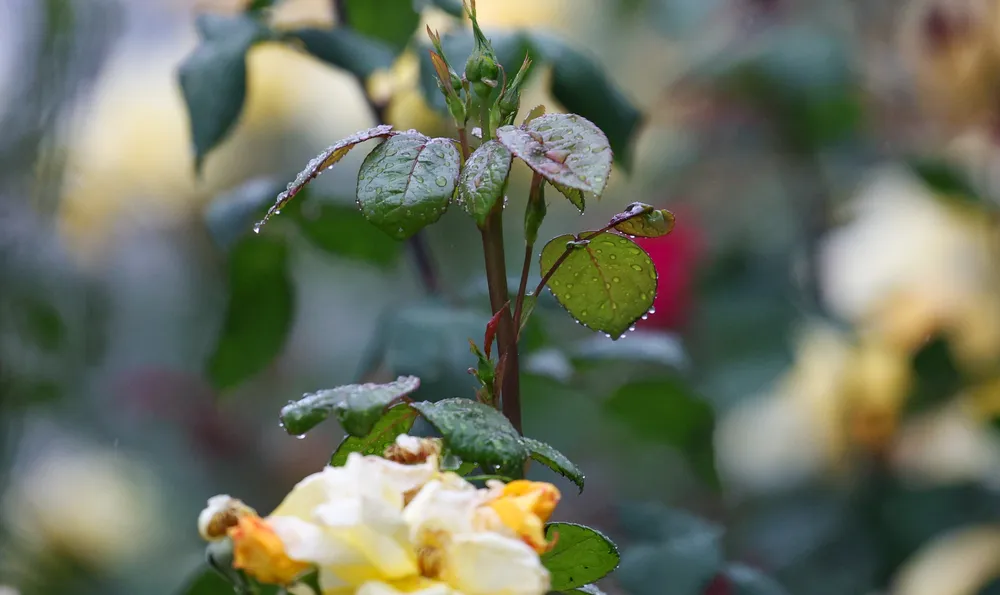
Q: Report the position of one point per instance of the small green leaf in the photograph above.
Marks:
(321, 163)
(397, 420)
(476, 432)
(606, 283)
(555, 460)
(358, 407)
(214, 78)
(644, 221)
(565, 149)
(936, 376)
(342, 230)
(574, 195)
(484, 180)
(259, 314)
(346, 49)
(582, 87)
(391, 21)
(407, 182)
(581, 555)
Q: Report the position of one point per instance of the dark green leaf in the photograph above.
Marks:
(397, 420)
(990, 588)
(259, 314)
(582, 87)
(666, 411)
(476, 432)
(321, 163)
(452, 7)
(642, 220)
(259, 5)
(208, 582)
(750, 581)
(936, 377)
(581, 555)
(945, 180)
(575, 195)
(391, 21)
(346, 49)
(343, 231)
(40, 323)
(214, 78)
(407, 182)
(555, 460)
(565, 149)
(484, 180)
(358, 407)
(232, 215)
(606, 283)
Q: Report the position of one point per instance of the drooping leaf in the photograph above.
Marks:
(666, 411)
(231, 215)
(391, 21)
(358, 407)
(484, 180)
(476, 432)
(321, 163)
(565, 149)
(407, 182)
(214, 77)
(397, 420)
(644, 221)
(342, 230)
(346, 49)
(581, 555)
(606, 283)
(555, 460)
(575, 195)
(259, 313)
(583, 87)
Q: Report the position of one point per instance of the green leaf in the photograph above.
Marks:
(666, 411)
(574, 195)
(606, 283)
(565, 149)
(259, 313)
(945, 180)
(321, 163)
(358, 407)
(581, 555)
(342, 230)
(214, 78)
(750, 581)
(582, 87)
(231, 216)
(259, 5)
(586, 590)
(452, 7)
(555, 460)
(936, 377)
(407, 182)
(397, 420)
(346, 49)
(39, 322)
(484, 180)
(391, 21)
(476, 433)
(642, 220)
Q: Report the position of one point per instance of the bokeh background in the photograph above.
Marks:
(812, 408)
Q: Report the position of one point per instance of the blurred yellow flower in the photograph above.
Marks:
(957, 563)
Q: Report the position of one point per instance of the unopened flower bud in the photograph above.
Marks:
(222, 512)
(410, 450)
(510, 99)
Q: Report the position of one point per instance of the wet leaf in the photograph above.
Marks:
(484, 180)
(476, 433)
(259, 313)
(358, 407)
(644, 221)
(214, 78)
(565, 149)
(555, 460)
(581, 555)
(407, 182)
(346, 49)
(391, 21)
(397, 420)
(606, 283)
(574, 195)
(342, 230)
(322, 162)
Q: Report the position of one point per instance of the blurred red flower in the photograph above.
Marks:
(676, 257)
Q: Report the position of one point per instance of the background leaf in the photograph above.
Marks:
(407, 182)
(476, 433)
(483, 180)
(391, 21)
(581, 555)
(259, 313)
(452, 7)
(750, 581)
(342, 230)
(214, 78)
(397, 420)
(231, 216)
(555, 460)
(607, 284)
(346, 49)
(358, 407)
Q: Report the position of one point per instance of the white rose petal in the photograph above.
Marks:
(488, 563)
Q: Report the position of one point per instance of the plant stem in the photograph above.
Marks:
(463, 139)
(522, 289)
(496, 278)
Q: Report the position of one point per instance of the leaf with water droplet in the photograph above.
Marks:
(538, 110)
(644, 221)
(397, 420)
(477, 433)
(565, 149)
(581, 555)
(321, 163)
(575, 195)
(357, 406)
(484, 180)
(555, 460)
(625, 286)
(398, 187)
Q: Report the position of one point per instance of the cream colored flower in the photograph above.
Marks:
(958, 563)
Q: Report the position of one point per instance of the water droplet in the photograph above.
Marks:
(277, 211)
(622, 337)
(652, 310)
(441, 181)
(614, 306)
(569, 286)
(645, 316)
(584, 313)
(636, 267)
(631, 328)
(613, 257)
(400, 230)
(301, 436)
(608, 335)
(256, 228)
(616, 279)
(567, 296)
(607, 286)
